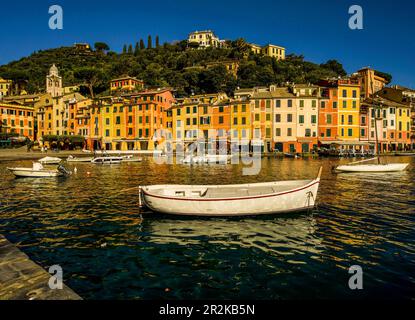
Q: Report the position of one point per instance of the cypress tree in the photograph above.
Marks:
(124, 49)
(130, 49)
(137, 48)
(150, 43)
(142, 46)
(157, 42)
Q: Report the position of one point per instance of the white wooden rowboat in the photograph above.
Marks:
(391, 167)
(232, 200)
(372, 167)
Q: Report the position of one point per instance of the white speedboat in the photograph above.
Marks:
(50, 160)
(232, 200)
(81, 159)
(375, 168)
(209, 158)
(108, 160)
(37, 171)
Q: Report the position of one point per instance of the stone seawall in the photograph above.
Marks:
(22, 279)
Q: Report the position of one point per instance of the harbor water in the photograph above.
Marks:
(90, 224)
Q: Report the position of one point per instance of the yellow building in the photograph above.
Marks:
(5, 87)
(403, 127)
(44, 116)
(240, 121)
(269, 50)
(82, 46)
(274, 51)
(178, 123)
(348, 110)
(256, 48)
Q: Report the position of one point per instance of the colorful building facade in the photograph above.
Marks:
(5, 88)
(17, 119)
(126, 84)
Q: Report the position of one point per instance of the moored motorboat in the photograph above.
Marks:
(38, 171)
(232, 200)
(107, 160)
(209, 158)
(80, 159)
(50, 160)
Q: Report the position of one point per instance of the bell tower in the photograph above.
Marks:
(54, 82)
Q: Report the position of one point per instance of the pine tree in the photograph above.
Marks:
(149, 43)
(142, 46)
(157, 42)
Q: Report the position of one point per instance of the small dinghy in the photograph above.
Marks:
(38, 171)
(50, 160)
(232, 200)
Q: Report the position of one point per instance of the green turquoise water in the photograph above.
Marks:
(91, 226)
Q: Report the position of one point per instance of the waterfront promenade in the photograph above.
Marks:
(22, 279)
(22, 154)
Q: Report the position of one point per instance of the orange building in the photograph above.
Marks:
(17, 119)
(221, 120)
(126, 84)
(328, 116)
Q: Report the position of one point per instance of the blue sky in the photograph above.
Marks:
(317, 29)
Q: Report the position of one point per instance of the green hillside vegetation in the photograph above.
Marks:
(173, 65)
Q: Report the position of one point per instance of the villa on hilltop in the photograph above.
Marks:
(207, 38)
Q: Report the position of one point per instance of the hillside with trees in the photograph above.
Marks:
(175, 65)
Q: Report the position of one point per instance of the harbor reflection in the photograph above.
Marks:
(281, 236)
